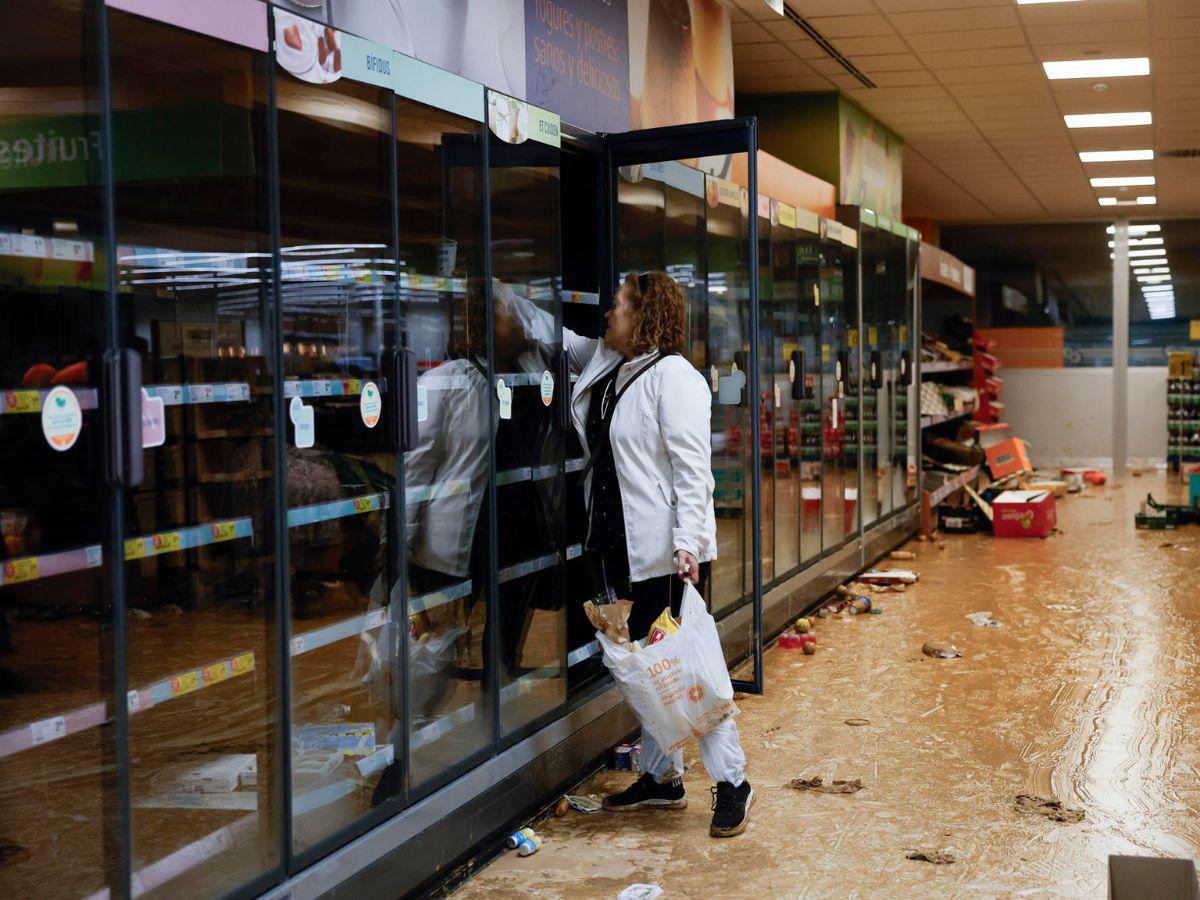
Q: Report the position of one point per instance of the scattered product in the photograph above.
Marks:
(858, 722)
(1051, 809)
(891, 576)
(902, 554)
(561, 808)
(583, 804)
(640, 892)
(941, 651)
(985, 619)
(937, 857)
(611, 619)
(516, 837)
(529, 846)
(853, 786)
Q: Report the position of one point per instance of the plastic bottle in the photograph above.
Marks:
(529, 846)
(515, 839)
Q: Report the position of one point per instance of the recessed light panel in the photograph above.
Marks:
(1099, 156)
(1123, 181)
(1097, 68)
(1108, 120)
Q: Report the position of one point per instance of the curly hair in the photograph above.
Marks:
(659, 314)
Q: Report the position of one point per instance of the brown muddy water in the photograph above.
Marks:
(1087, 694)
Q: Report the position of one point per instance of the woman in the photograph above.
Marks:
(643, 413)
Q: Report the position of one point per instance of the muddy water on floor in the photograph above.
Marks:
(1088, 693)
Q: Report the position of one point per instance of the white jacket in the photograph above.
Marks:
(661, 441)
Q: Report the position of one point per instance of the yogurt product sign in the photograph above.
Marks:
(370, 404)
(62, 418)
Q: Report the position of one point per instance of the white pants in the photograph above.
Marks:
(720, 751)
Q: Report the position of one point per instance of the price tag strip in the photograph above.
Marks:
(194, 394)
(447, 723)
(30, 400)
(424, 602)
(438, 283)
(336, 387)
(31, 568)
(530, 680)
(423, 492)
(579, 654)
(521, 569)
(337, 509)
(582, 297)
(338, 631)
(187, 538)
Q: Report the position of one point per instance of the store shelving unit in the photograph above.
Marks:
(930, 499)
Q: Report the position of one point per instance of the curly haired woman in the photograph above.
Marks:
(649, 489)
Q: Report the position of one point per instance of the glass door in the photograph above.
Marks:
(529, 641)
(718, 253)
(58, 769)
(806, 359)
(767, 406)
(447, 560)
(839, 338)
(339, 309)
(907, 432)
(786, 386)
(873, 291)
(194, 300)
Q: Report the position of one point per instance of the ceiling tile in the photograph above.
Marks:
(952, 58)
(851, 26)
(854, 47)
(892, 62)
(811, 8)
(983, 74)
(749, 32)
(957, 19)
(1095, 33)
(967, 40)
(895, 6)
(746, 53)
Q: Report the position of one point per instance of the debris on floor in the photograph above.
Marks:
(858, 722)
(583, 804)
(937, 857)
(640, 892)
(853, 786)
(561, 807)
(902, 554)
(889, 576)
(941, 651)
(985, 618)
(1051, 809)
(515, 839)
(10, 854)
(529, 846)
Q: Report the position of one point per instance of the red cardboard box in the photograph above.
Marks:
(1024, 514)
(1007, 457)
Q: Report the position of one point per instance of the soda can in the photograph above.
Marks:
(623, 757)
(515, 839)
(860, 605)
(635, 758)
(529, 846)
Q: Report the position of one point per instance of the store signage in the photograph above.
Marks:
(435, 87)
(366, 61)
(62, 418)
(577, 60)
(547, 388)
(237, 21)
(515, 121)
(720, 191)
(310, 51)
(764, 207)
(370, 404)
(787, 215)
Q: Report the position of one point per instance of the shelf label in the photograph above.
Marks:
(422, 402)
(904, 334)
(166, 542)
(824, 353)
(133, 700)
(791, 371)
(224, 531)
(364, 504)
(778, 396)
(504, 395)
(24, 401)
(298, 645)
(154, 421)
(872, 335)
(135, 548)
(48, 730)
(304, 420)
(547, 388)
(62, 418)
(370, 404)
(185, 683)
(243, 664)
(217, 672)
(25, 569)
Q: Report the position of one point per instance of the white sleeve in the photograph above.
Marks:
(538, 326)
(685, 421)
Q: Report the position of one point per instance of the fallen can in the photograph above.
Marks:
(529, 846)
(623, 757)
(860, 605)
(790, 641)
(515, 839)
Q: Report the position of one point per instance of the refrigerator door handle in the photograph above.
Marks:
(563, 398)
(905, 368)
(400, 366)
(800, 390)
(122, 375)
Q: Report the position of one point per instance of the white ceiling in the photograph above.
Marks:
(961, 81)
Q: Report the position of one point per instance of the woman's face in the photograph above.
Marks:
(620, 322)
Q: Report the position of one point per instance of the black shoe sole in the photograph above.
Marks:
(740, 826)
(653, 803)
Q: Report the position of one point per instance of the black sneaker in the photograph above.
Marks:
(731, 808)
(646, 793)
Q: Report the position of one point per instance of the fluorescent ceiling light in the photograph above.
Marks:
(1032, 2)
(1137, 229)
(1097, 156)
(1097, 68)
(1160, 270)
(1146, 201)
(1141, 242)
(1152, 251)
(1108, 120)
(1162, 314)
(1153, 279)
(1144, 263)
(1123, 181)
(1156, 291)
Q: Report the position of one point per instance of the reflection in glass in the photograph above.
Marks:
(767, 409)
(337, 294)
(57, 757)
(839, 491)
(785, 395)
(530, 512)
(443, 321)
(875, 298)
(809, 404)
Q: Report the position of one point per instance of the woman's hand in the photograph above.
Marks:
(687, 567)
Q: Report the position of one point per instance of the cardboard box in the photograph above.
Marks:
(1180, 364)
(1024, 514)
(1008, 457)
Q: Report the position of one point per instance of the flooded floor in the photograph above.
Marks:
(1089, 693)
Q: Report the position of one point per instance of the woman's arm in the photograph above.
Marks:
(685, 422)
(538, 327)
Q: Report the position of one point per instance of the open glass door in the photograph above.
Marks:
(904, 475)
(720, 279)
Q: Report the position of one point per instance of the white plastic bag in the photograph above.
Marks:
(679, 688)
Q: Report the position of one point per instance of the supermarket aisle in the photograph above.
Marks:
(1088, 693)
